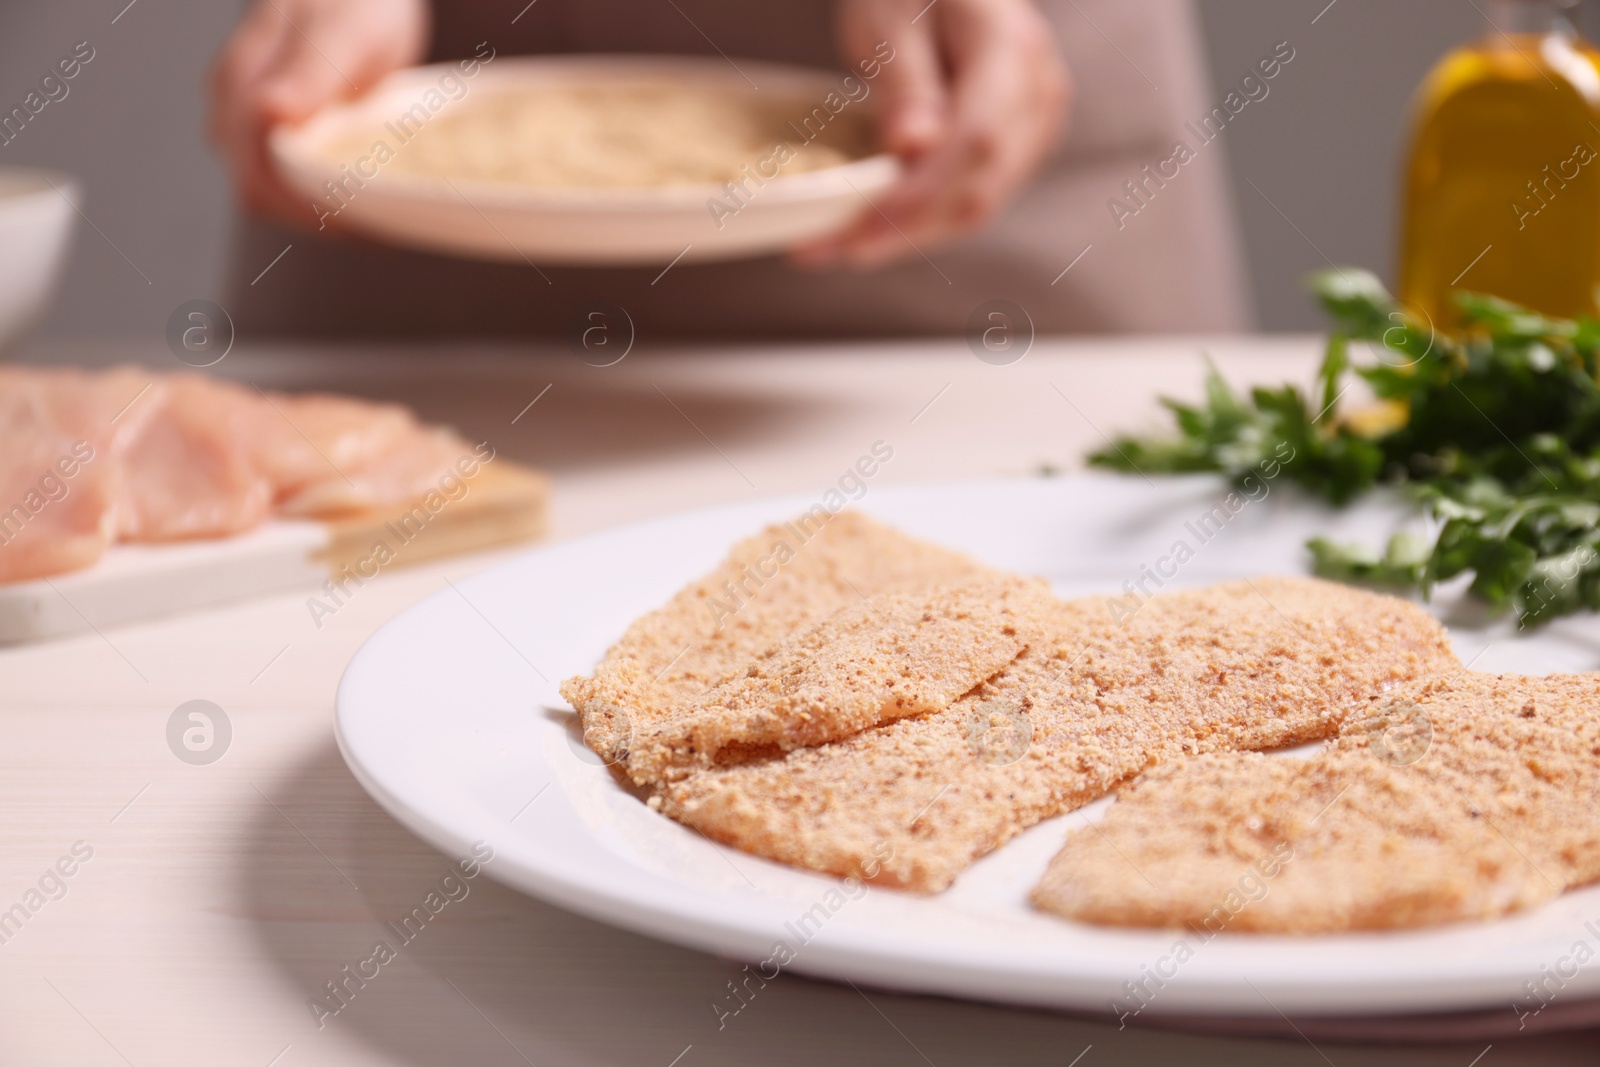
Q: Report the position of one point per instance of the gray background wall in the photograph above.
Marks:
(1324, 146)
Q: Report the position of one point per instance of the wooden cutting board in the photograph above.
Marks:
(503, 504)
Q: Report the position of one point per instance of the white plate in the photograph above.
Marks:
(443, 718)
(517, 223)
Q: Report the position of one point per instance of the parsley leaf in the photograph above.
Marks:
(1494, 430)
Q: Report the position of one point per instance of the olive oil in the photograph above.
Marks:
(1502, 187)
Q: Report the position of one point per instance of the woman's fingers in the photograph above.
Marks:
(1008, 95)
(289, 58)
(1003, 95)
(910, 82)
(245, 58)
(911, 105)
(339, 51)
(237, 122)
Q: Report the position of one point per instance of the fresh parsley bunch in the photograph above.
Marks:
(1495, 430)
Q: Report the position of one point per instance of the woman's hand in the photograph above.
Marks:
(972, 102)
(286, 59)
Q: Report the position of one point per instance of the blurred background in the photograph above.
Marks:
(1322, 150)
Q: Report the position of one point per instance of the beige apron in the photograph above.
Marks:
(1171, 266)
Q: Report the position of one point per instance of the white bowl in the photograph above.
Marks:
(38, 209)
(504, 221)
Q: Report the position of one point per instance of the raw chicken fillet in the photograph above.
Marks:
(87, 459)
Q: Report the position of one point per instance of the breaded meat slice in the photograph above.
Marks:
(1091, 703)
(1466, 798)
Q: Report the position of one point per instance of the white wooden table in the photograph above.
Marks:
(219, 899)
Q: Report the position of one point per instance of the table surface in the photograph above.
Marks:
(220, 899)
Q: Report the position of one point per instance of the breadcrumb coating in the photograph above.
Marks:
(1462, 798)
(841, 697)
(772, 587)
(884, 658)
(1087, 706)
